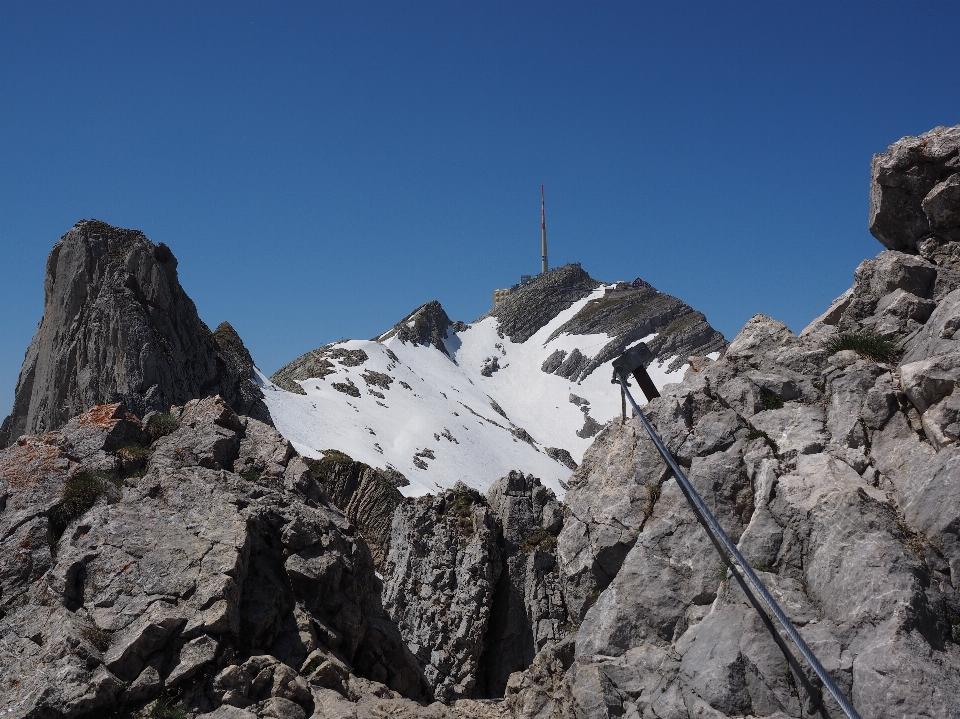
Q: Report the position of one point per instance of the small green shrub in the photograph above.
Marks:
(541, 540)
(251, 475)
(880, 348)
(162, 710)
(162, 424)
(721, 574)
(460, 505)
(133, 452)
(80, 493)
(771, 400)
(98, 637)
(759, 433)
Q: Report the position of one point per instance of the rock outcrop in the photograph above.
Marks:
(440, 577)
(626, 316)
(528, 610)
(530, 307)
(117, 327)
(426, 325)
(317, 363)
(473, 583)
(915, 191)
(368, 496)
(831, 459)
(218, 573)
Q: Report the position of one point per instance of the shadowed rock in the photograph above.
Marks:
(915, 190)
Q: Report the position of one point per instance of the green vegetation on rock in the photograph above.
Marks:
(161, 424)
(880, 348)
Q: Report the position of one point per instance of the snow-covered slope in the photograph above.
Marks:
(439, 417)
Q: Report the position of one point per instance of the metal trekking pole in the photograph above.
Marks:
(633, 362)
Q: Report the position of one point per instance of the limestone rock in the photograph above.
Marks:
(368, 496)
(426, 325)
(440, 577)
(118, 327)
(117, 586)
(317, 363)
(528, 609)
(844, 500)
(913, 189)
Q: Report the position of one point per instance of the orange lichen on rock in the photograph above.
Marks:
(104, 416)
(30, 462)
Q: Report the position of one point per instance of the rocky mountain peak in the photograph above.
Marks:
(426, 325)
(118, 327)
(531, 306)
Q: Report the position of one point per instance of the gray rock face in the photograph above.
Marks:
(531, 306)
(441, 574)
(914, 190)
(183, 576)
(528, 609)
(426, 325)
(837, 477)
(368, 497)
(317, 363)
(117, 327)
(632, 315)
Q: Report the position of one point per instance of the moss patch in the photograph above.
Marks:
(541, 540)
(770, 400)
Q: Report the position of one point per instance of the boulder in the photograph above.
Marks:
(913, 189)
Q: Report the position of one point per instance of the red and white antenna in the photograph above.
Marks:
(543, 232)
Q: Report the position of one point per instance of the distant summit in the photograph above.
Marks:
(524, 387)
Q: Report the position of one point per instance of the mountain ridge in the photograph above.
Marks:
(524, 372)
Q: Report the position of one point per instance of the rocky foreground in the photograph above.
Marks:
(190, 563)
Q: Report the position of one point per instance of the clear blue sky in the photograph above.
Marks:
(320, 169)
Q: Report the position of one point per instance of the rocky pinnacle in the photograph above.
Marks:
(118, 327)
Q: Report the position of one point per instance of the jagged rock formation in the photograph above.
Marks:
(531, 306)
(473, 583)
(626, 316)
(426, 325)
(915, 191)
(368, 496)
(318, 364)
(117, 327)
(440, 577)
(218, 573)
(528, 610)
(835, 469)
(631, 315)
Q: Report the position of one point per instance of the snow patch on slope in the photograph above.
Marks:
(444, 428)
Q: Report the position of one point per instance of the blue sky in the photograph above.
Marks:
(320, 169)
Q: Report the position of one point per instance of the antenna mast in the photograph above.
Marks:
(543, 232)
